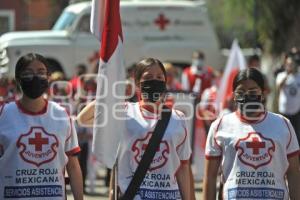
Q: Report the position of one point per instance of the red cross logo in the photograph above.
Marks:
(38, 141)
(162, 21)
(161, 156)
(37, 146)
(255, 150)
(255, 145)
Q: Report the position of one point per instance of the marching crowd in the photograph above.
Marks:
(255, 151)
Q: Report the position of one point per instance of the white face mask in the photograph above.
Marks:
(197, 65)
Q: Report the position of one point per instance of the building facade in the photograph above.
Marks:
(18, 15)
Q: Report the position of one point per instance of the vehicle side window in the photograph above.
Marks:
(84, 24)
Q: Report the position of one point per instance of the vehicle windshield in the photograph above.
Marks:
(65, 21)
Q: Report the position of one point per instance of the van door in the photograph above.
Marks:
(168, 30)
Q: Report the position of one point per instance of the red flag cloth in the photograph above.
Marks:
(106, 26)
(112, 29)
(236, 61)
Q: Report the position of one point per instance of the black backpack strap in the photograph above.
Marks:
(148, 155)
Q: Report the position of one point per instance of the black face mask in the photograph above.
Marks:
(250, 103)
(35, 87)
(153, 89)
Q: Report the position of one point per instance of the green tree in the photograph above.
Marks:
(274, 24)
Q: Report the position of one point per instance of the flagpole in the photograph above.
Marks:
(116, 192)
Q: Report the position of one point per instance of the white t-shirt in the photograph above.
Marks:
(254, 156)
(160, 180)
(34, 151)
(289, 95)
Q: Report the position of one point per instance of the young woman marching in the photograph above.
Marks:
(168, 176)
(257, 150)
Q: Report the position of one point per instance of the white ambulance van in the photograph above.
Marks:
(167, 30)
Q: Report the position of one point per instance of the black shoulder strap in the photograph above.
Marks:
(148, 155)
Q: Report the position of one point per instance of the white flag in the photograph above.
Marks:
(106, 26)
(235, 63)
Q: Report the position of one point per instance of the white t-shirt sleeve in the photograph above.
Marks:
(212, 148)
(71, 144)
(184, 147)
(280, 77)
(292, 146)
(205, 99)
(185, 82)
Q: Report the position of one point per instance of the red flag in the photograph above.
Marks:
(112, 29)
(106, 26)
(236, 61)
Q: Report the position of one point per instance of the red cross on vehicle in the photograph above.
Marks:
(162, 21)
(38, 141)
(255, 145)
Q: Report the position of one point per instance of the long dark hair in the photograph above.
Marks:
(249, 74)
(25, 60)
(145, 64)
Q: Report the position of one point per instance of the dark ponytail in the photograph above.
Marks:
(249, 74)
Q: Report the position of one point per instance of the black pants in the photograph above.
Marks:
(295, 121)
(83, 158)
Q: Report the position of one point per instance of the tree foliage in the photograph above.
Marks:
(274, 24)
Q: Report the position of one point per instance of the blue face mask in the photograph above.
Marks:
(152, 90)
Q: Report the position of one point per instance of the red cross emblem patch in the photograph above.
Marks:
(161, 156)
(255, 150)
(162, 22)
(37, 146)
